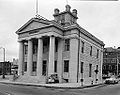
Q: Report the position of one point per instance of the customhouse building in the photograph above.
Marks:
(61, 47)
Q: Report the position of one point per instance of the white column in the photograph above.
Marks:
(51, 55)
(60, 60)
(30, 57)
(39, 57)
(21, 58)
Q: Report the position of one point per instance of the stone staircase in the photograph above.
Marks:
(30, 79)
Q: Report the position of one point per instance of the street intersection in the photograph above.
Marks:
(8, 89)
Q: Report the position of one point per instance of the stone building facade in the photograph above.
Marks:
(61, 47)
(111, 61)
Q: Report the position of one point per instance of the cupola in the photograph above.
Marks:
(66, 17)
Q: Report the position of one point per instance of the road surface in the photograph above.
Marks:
(7, 89)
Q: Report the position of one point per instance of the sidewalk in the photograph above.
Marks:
(56, 85)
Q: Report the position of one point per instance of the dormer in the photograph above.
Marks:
(66, 17)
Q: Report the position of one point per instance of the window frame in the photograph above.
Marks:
(67, 44)
(82, 46)
(44, 67)
(97, 56)
(34, 49)
(90, 70)
(55, 66)
(91, 50)
(34, 66)
(82, 67)
(56, 45)
(26, 49)
(66, 66)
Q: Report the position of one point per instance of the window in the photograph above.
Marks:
(44, 49)
(90, 70)
(67, 44)
(110, 67)
(55, 66)
(66, 65)
(44, 68)
(56, 45)
(96, 70)
(82, 48)
(97, 53)
(104, 67)
(82, 67)
(72, 20)
(113, 67)
(25, 68)
(26, 49)
(35, 49)
(45, 45)
(96, 67)
(90, 50)
(34, 66)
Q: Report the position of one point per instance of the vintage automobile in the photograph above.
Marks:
(111, 80)
(53, 79)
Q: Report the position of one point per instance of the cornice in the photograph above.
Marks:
(60, 27)
(80, 29)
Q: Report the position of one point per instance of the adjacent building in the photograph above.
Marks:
(111, 60)
(61, 47)
(14, 66)
(5, 68)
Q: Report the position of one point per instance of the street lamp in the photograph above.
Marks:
(3, 67)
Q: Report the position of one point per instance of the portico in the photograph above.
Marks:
(47, 47)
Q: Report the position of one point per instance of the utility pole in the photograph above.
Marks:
(117, 64)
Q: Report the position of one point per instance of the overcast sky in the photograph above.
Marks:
(101, 18)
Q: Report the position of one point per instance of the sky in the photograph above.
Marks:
(100, 18)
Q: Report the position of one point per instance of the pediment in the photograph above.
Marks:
(33, 24)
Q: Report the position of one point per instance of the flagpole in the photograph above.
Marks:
(36, 8)
(67, 2)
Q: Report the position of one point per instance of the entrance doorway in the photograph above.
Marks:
(44, 68)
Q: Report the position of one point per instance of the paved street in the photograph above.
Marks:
(100, 90)
(29, 90)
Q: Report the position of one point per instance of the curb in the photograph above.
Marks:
(48, 86)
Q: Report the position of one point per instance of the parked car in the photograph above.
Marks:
(53, 79)
(105, 76)
(111, 80)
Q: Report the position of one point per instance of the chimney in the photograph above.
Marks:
(68, 8)
(56, 15)
(56, 11)
(74, 12)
